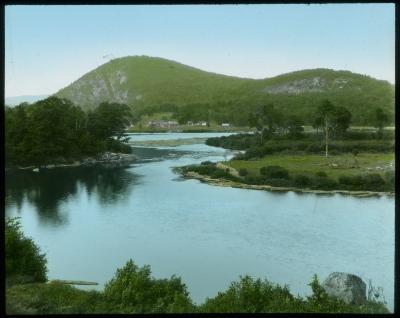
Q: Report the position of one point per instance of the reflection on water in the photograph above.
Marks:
(48, 189)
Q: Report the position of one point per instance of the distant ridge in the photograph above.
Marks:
(144, 82)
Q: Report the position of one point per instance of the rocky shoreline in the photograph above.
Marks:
(233, 184)
(103, 158)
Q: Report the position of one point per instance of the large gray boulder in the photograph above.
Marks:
(350, 288)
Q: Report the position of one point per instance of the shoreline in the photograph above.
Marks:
(103, 158)
(233, 184)
(184, 131)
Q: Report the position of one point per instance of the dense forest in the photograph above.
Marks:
(55, 130)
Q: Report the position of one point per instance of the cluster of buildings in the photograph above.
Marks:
(173, 123)
(199, 123)
(162, 123)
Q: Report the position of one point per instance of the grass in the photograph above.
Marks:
(333, 166)
(55, 298)
(309, 128)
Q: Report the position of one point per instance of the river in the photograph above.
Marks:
(91, 220)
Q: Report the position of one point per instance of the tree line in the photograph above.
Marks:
(333, 120)
(237, 110)
(55, 130)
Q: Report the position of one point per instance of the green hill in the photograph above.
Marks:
(151, 85)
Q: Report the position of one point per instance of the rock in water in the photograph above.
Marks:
(350, 288)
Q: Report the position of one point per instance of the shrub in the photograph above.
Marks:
(243, 172)
(321, 302)
(118, 146)
(250, 295)
(24, 262)
(302, 181)
(133, 290)
(219, 173)
(203, 169)
(274, 172)
(314, 148)
(278, 182)
(374, 179)
(390, 180)
(255, 152)
(335, 152)
(372, 182)
(321, 174)
(353, 181)
(324, 183)
(53, 298)
(252, 179)
(207, 163)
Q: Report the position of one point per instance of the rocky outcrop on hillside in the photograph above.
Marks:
(309, 85)
(316, 84)
(97, 88)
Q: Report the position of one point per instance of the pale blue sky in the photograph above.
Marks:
(48, 47)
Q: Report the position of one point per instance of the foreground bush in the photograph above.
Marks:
(24, 262)
(250, 295)
(139, 294)
(53, 298)
(133, 290)
(320, 302)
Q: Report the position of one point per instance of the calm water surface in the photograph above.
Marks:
(90, 221)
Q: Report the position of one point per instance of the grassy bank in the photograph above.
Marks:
(133, 291)
(309, 165)
(362, 175)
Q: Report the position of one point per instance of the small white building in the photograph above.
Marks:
(172, 123)
(225, 125)
(162, 123)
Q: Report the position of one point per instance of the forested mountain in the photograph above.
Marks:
(151, 85)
